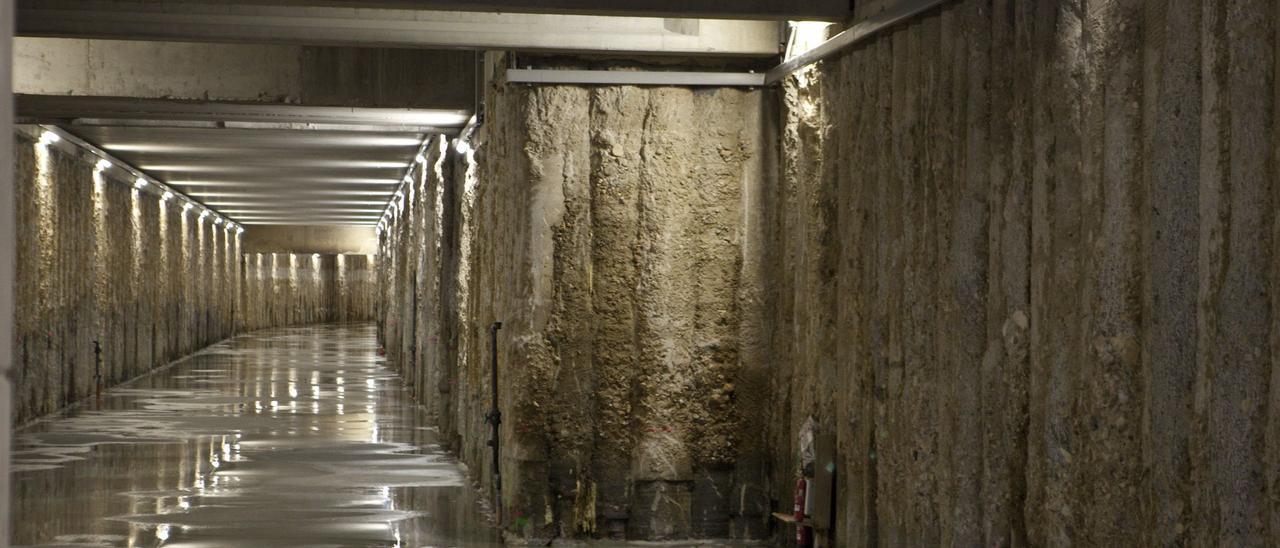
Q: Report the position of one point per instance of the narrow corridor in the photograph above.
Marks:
(296, 436)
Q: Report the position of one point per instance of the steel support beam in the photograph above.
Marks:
(246, 73)
(634, 78)
(241, 22)
(8, 260)
(68, 108)
(779, 10)
(899, 11)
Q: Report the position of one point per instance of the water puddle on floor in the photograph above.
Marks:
(285, 437)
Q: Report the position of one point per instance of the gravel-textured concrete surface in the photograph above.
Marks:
(99, 261)
(1025, 271)
(604, 228)
(284, 289)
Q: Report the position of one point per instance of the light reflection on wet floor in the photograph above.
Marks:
(286, 437)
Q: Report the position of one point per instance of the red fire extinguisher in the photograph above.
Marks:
(804, 535)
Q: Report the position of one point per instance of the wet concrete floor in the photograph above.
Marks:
(285, 437)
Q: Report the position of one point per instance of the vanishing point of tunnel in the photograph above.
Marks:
(822, 273)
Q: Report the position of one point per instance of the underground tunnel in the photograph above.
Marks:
(580, 272)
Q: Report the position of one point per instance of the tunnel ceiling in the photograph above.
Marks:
(309, 111)
(256, 164)
(267, 175)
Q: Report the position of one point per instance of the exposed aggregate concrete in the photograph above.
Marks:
(291, 289)
(1023, 270)
(1017, 258)
(98, 260)
(605, 234)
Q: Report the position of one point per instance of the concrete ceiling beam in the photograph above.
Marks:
(285, 75)
(104, 111)
(279, 126)
(779, 10)
(262, 22)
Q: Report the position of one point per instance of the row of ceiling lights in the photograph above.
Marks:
(396, 205)
(141, 182)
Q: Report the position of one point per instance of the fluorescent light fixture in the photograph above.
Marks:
(237, 212)
(248, 143)
(433, 117)
(291, 194)
(140, 183)
(103, 165)
(274, 165)
(166, 196)
(311, 223)
(273, 181)
(248, 219)
(297, 203)
(49, 137)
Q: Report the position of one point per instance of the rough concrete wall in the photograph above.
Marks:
(100, 261)
(323, 239)
(456, 328)
(605, 229)
(1022, 266)
(414, 275)
(284, 289)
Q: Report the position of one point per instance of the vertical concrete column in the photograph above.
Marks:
(8, 257)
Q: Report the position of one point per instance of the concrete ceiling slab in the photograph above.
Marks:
(733, 9)
(257, 22)
(247, 73)
(66, 108)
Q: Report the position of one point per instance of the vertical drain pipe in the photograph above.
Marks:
(494, 418)
(97, 372)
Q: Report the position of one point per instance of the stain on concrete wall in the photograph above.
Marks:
(1022, 266)
(101, 261)
(285, 289)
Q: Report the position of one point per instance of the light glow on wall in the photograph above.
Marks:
(48, 138)
(803, 36)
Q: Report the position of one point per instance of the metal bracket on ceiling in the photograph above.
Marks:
(899, 12)
(894, 15)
